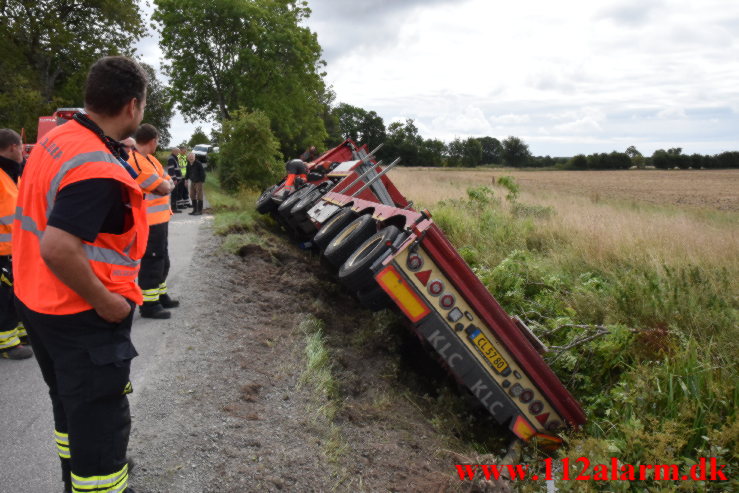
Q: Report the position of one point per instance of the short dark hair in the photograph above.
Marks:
(8, 138)
(146, 133)
(113, 81)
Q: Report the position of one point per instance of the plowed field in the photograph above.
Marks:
(710, 189)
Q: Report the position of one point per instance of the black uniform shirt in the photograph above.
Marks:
(12, 168)
(89, 207)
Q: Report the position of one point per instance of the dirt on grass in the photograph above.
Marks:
(240, 406)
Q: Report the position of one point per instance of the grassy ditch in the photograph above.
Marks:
(238, 221)
(637, 303)
(639, 307)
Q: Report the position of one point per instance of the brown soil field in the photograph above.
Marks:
(707, 189)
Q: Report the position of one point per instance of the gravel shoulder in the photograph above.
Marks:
(231, 403)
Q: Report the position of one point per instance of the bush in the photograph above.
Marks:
(250, 155)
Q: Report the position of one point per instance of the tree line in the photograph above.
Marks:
(403, 140)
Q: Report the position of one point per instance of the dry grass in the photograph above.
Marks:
(696, 189)
(604, 231)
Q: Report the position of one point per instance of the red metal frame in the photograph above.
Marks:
(477, 295)
(464, 280)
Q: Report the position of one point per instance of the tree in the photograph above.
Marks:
(250, 154)
(403, 141)
(472, 152)
(330, 119)
(492, 150)
(366, 127)
(455, 151)
(515, 152)
(431, 152)
(198, 137)
(47, 48)
(578, 162)
(159, 106)
(637, 159)
(258, 54)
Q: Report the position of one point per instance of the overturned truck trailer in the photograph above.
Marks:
(389, 254)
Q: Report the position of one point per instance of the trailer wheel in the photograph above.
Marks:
(265, 204)
(338, 221)
(374, 298)
(349, 238)
(288, 203)
(305, 203)
(355, 273)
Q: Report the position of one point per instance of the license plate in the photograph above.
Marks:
(488, 350)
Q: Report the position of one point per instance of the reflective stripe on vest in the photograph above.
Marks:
(149, 182)
(8, 199)
(75, 162)
(152, 175)
(114, 259)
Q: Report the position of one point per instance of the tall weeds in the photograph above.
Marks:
(661, 383)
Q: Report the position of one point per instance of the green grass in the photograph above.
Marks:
(662, 385)
(318, 372)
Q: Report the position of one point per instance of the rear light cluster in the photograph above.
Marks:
(447, 301)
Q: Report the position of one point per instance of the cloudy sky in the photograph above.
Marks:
(568, 77)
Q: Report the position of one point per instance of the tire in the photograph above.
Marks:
(355, 274)
(333, 225)
(265, 204)
(305, 203)
(374, 298)
(349, 239)
(288, 203)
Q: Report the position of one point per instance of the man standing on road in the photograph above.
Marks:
(196, 175)
(173, 170)
(79, 234)
(184, 197)
(157, 186)
(11, 155)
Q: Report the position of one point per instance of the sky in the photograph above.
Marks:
(567, 77)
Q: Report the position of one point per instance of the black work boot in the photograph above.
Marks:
(17, 352)
(168, 302)
(154, 309)
(199, 206)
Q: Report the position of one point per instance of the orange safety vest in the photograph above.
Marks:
(68, 154)
(151, 175)
(8, 199)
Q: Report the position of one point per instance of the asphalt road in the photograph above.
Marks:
(29, 461)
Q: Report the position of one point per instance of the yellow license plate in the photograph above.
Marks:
(488, 350)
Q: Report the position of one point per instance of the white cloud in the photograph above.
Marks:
(568, 77)
(593, 74)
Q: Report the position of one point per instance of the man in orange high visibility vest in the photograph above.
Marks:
(78, 237)
(156, 185)
(297, 174)
(11, 155)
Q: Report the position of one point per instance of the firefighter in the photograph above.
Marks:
(11, 332)
(79, 234)
(182, 163)
(156, 185)
(297, 174)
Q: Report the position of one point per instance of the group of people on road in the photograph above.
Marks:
(186, 167)
(85, 219)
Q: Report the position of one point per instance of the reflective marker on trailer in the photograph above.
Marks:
(403, 295)
(523, 429)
